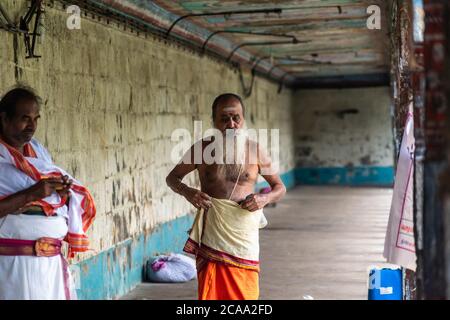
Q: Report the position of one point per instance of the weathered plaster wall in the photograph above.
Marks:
(111, 100)
(343, 136)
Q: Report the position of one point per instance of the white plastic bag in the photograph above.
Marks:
(171, 268)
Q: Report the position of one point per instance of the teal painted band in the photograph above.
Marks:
(288, 178)
(351, 176)
(354, 176)
(116, 271)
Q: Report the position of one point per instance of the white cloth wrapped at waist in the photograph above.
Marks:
(228, 228)
(30, 277)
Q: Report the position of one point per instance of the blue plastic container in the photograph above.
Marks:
(385, 284)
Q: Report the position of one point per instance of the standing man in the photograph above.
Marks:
(40, 206)
(225, 234)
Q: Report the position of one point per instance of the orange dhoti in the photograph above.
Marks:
(219, 281)
(225, 241)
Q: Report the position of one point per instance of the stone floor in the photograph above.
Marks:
(319, 244)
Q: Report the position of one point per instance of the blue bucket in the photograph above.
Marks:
(385, 284)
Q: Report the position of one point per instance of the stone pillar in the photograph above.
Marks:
(405, 85)
(431, 244)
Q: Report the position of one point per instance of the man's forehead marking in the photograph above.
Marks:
(228, 108)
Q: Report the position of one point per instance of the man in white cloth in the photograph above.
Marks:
(40, 206)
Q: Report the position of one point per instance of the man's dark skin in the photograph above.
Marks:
(229, 115)
(18, 131)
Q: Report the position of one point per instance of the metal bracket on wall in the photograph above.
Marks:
(255, 65)
(268, 34)
(36, 11)
(265, 43)
(297, 60)
(221, 13)
(280, 87)
(247, 91)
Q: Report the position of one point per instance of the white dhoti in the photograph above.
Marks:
(32, 277)
(31, 269)
(228, 234)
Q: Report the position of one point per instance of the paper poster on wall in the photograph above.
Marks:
(399, 245)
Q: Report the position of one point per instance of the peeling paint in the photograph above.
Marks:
(366, 160)
(106, 277)
(338, 127)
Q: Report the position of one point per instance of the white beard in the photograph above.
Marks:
(234, 156)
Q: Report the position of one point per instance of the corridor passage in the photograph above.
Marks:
(319, 244)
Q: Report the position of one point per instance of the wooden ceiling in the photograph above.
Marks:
(293, 39)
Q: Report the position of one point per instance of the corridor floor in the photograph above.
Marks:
(319, 244)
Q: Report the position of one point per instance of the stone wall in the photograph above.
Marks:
(111, 100)
(343, 136)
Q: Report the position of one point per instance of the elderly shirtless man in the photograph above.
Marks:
(225, 234)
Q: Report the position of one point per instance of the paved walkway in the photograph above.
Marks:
(319, 243)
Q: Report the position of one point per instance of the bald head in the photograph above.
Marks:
(228, 112)
(224, 99)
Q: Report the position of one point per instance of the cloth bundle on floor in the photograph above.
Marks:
(171, 268)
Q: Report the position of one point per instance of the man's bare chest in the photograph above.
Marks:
(228, 173)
